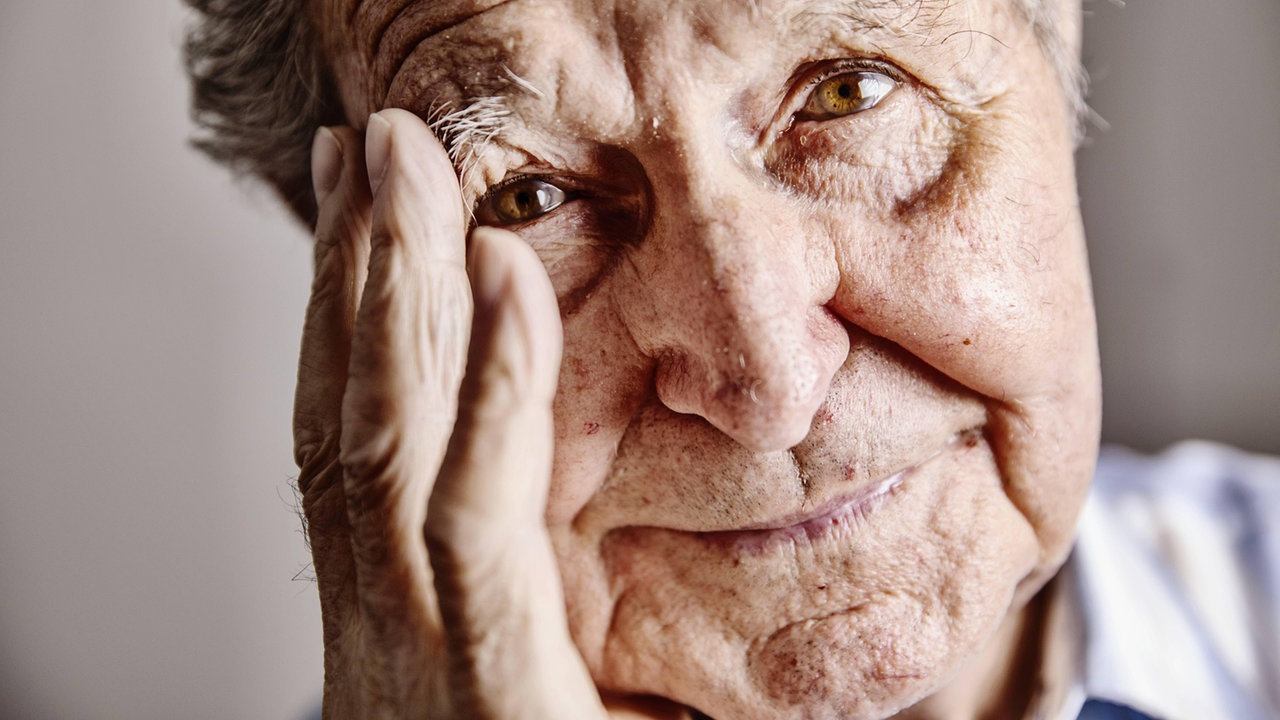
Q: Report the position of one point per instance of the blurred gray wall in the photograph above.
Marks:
(1181, 198)
(149, 314)
(149, 320)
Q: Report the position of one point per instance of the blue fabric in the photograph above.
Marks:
(1101, 710)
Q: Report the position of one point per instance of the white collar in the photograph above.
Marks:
(1141, 644)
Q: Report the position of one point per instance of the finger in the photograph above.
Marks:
(496, 472)
(407, 358)
(341, 252)
(627, 707)
(510, 652)
(341, 257)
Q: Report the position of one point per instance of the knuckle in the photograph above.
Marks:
(378, 469)
(366, 466)
(316, 454)
(324, 519)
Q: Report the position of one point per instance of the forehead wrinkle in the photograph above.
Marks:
(870, 16)
(391, 30)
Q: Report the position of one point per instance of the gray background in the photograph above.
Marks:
(149, 313)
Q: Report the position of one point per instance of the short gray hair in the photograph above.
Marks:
(1057, 25)
(261, 85)
(260, 88)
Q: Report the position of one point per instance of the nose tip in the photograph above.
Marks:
(764, 400)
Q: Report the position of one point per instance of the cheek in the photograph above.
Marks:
(603, 380)
(983, 276)
(981, 273)
(878, 160)
(956, 237)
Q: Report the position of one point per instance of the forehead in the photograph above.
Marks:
(467, 47)
(434, 16)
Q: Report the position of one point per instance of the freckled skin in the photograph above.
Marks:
(810, 308)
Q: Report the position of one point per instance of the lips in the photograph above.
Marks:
(832, 515)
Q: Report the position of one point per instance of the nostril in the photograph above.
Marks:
(764, 400)
(760, 415)
(759, 378)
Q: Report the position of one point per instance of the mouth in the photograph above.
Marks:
(839, 513)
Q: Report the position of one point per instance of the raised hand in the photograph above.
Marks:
(424, 486)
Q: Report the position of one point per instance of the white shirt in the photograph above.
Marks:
(1175, 583)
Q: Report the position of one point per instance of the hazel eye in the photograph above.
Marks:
(846, 94)
(519, 201)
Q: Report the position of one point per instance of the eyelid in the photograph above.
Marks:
(817, 72)
(567, 184)
(572, 191)
(805, 79)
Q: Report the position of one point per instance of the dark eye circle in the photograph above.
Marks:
(519, 201)
(846, 94)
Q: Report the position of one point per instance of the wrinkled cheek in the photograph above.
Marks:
(1047, 449)
(603, 380)
(985, 284)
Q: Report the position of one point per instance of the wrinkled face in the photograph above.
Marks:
(829, 401)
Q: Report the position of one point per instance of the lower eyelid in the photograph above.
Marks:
(585, 221)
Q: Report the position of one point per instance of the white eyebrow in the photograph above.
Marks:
(523, 84)
(478, 121)
(464, 130)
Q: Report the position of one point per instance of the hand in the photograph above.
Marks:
(424, 491)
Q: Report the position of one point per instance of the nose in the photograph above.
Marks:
(733, 310)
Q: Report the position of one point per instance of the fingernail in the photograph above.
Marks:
(377, 149)
(326, 163)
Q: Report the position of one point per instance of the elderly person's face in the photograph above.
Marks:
(829, 399)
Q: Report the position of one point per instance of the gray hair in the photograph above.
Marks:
(260, 89)
(1057, 27)
(261, 85)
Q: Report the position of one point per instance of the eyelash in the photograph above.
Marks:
(831, 68)
(821, 71)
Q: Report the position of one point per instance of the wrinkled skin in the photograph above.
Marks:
(827, 403)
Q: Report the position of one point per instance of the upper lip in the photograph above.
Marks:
(840, 502)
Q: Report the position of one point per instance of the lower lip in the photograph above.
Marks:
(849, 512)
